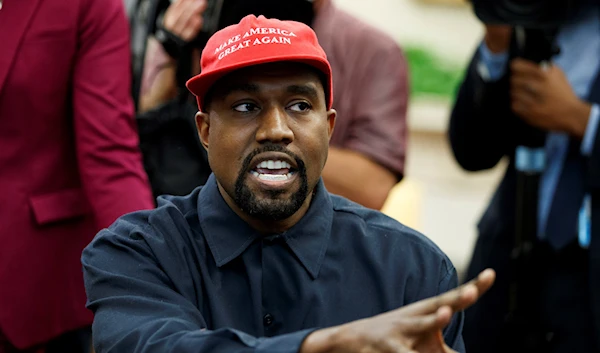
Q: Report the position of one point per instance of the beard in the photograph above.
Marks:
(272, 208)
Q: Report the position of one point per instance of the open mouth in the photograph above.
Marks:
(273, 170)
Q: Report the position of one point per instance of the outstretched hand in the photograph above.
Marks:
(413, 328)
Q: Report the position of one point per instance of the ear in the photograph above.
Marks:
(203, 126)
(331, 115)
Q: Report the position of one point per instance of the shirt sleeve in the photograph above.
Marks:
(378, 128)
(453, 332)
(491, 67)
(137, 308)
(108, 156)
(587, 144)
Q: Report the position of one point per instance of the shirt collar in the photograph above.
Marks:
(228, 235)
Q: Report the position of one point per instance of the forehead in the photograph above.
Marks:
(274, 75)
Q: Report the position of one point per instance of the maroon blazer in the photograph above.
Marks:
(69, 158)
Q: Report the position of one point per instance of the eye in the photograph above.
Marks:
(245, 107)
(300, 107)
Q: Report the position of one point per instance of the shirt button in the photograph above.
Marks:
(268, 320)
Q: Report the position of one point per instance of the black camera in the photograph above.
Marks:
(537, 14)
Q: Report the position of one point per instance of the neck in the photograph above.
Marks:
(267, 227)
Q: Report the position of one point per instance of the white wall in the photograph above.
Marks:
(452, 31)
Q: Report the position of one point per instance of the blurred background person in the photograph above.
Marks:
(70, 162)
(369, 142)
(501, 99)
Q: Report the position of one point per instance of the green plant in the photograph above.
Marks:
(429, 75)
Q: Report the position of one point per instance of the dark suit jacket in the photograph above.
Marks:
(69, 157)
(482, 131)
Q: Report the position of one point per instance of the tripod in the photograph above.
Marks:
(521, 323)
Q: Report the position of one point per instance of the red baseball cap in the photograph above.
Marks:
(258, 40)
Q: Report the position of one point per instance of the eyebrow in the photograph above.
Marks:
(304, 90)
(253, 88)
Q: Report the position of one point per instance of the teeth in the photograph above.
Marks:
(273, 164)
(274, 177)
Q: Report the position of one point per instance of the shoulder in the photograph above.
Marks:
(173, 220)
(364, 35)
(102, 18)
(102, 8)
(383, 231)
(153, 244)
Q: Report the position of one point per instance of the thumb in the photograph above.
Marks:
(448, 349)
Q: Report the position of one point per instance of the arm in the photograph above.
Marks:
(105, 134)
(158, 78)
(372, 157)
(412, 328)
(375, 180)
(136, 308)
(481, 129)
(183, 19)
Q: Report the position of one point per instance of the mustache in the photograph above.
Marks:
(271, 147)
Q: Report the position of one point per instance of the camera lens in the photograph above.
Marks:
(528, 13)
(525, 8)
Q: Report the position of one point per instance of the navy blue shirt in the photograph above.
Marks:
(191, 276)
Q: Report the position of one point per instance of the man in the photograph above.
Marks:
(371, 79)
(69, 159)
(262, 258)
(499, 96)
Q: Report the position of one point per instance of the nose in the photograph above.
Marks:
(274, 127)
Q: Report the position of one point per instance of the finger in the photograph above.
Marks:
(182, 25)
(194, 8)
(523, 97)
(202, 5)
(526, 68)
(484, 281)
(523, 84)
(395, 346)
(457, 299)
(190, 25)
(172, 15)
(430, 343)
(178, 7)
(448, 349)
(429, 323)
(179, 20)
(189, 33)
(192, 29)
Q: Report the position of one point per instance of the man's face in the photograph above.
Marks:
(267, 133)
